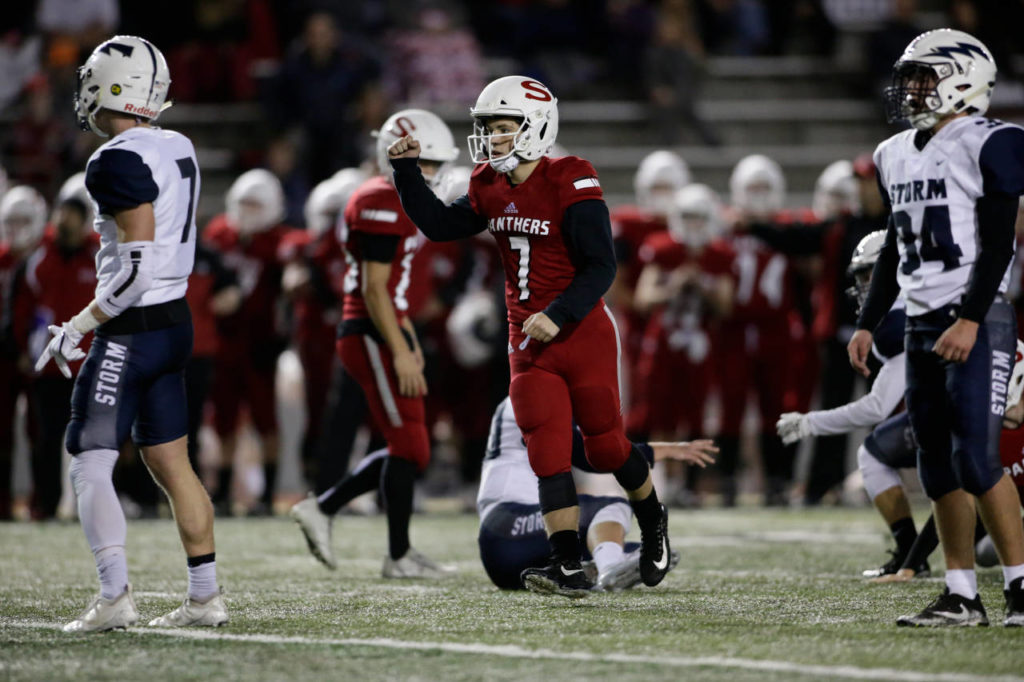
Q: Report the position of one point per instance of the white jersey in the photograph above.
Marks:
(506, 475)
(933, 192)
(148, 165)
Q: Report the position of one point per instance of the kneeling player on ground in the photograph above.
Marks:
(512, 537)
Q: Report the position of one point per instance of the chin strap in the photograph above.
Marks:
(506, 165)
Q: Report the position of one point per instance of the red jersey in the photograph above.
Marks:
(525, 220)
(764, 287)
(1011, 452)
(55, 288)
(375, 209)
(316, 310)
(257, 267)
(631, 227)
(208, 277)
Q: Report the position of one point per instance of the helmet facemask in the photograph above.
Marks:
(914, 94)
(482, 141)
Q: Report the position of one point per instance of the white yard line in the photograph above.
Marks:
(513, 651)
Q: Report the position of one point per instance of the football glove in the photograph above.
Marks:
(793, 427)
(63, 348)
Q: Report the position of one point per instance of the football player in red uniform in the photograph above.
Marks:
(248, 237)
(22, 221)
(377, 345)
(552, 229)
(686, 284)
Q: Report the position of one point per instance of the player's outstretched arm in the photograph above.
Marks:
(438, 222)
(697, 452)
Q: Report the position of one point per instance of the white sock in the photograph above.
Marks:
(102, 517)
(607, 554)
(202, 580)
(1011, 573)
(112, 567)
(962, 581)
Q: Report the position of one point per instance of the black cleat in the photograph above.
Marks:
(655, 554)
(949, 610)
(1014, 604)
(566, 578)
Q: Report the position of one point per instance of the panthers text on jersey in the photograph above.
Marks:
(375, 209)
(148, 165)
(525, 220)
(933, 193)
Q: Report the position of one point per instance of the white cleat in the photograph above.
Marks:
(107, 614)
(626, 573)
(415, 565)
(210, 613)
(316, 526)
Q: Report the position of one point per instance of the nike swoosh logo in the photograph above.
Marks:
(964, 614)
(660, 565)
(568, 573)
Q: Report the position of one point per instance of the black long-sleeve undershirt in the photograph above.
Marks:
(884, 287)
(996, 216)
(438, 222)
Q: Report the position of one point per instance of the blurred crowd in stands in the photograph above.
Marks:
(721, 300)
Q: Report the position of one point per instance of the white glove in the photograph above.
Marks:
(63, 348)
(793, 427)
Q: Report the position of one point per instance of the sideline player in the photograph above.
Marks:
(952, 182)
(885, 450)
(145, 182)
(377, 345)
(554, 235)
(512, 536)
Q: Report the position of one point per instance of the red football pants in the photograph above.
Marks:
(575, 376)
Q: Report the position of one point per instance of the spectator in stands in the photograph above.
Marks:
(282, 159)
(631, 27)
(436, 63)
(799, 27)
(321, 88)
(733, 27)
(885, 45)
(39, 142)
(82, 23)
(673, 72)
(20, 51)
(996, 23)
(58, 280)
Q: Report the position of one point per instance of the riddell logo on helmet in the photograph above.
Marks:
(141, 111)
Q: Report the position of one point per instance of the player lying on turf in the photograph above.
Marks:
(890, 446)
(512, 537)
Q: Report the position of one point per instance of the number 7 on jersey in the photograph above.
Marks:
(522, 245)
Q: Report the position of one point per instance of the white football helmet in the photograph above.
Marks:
(757, 186)
(436, 141)
(660, 175)
(125, 74)
(698, 217)
(835, 192)
(455, 184)
(472, 326)
(863, 263)
(521, 98)
(22, 217)
(328, 199)
(1016, 386)
(255, 201)
(941, 72)
(74, 188)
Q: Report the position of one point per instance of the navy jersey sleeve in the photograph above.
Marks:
(119, 179)
(888, 337)
(1002, 162)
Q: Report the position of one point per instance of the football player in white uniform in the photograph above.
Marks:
(512, 537)
(145, 184)
(952, 182)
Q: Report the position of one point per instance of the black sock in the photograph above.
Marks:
(647, 510)
(565, 546)
(397, 480)
(270, 483)
(904, 532)
(362, 479)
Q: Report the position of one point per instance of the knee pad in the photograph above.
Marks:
(557, 492)
(937, 478)
(411, 443)
(616, 512)
(878, 477)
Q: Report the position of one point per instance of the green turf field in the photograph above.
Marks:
(758, 595)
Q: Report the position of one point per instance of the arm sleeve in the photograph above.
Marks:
(119, 179)
(886, 393)
(996, 216)
(380, 248)
(589, 231)
(439, 222)
(884, 287)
